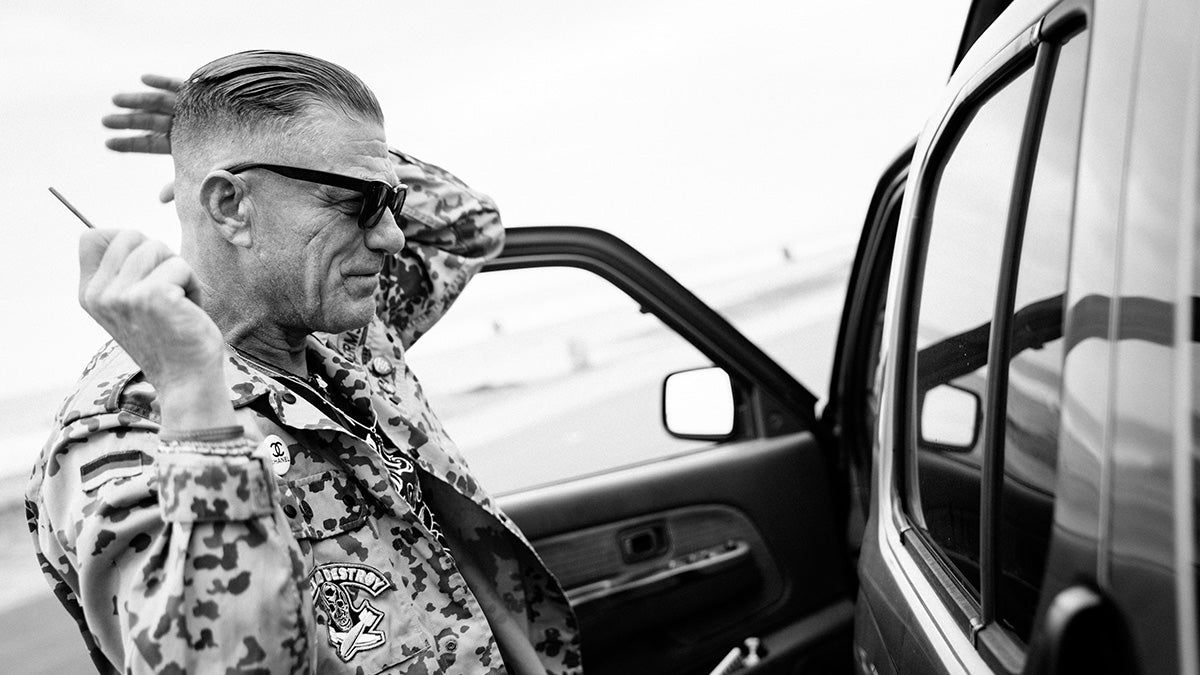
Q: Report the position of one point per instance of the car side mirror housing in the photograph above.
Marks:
(950, 418)
(698, 404)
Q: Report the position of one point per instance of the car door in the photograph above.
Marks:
(975, 486)
(672, 554)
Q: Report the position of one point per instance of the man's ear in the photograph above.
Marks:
(223, 196)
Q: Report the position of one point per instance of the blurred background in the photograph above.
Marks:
(736, 145)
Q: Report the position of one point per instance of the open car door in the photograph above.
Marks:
(678, 554)
(672, 554)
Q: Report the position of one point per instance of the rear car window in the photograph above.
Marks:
(957, 297)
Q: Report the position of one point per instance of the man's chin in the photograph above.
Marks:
(351, 315)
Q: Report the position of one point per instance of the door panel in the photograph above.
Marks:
(765, 504)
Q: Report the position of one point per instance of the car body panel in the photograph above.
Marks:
(1148, 528)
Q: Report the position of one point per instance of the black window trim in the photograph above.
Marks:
(999, 342)
(999, 644)
(776, 403)
(1036, 49)
(1018, 58)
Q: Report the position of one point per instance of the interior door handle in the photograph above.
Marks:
(1081, 632)
(674, 571)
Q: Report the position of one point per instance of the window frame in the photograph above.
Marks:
(1036, 49)
(768, 400)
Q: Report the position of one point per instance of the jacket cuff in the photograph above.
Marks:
(212, 482)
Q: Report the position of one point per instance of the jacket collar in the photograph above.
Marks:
(248, 382)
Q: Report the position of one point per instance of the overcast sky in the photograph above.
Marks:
(686, 127)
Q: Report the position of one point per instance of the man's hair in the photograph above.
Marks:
(256, 88)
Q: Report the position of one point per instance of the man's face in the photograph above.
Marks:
(315, 269)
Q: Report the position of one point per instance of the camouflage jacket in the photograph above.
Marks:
(208, 557)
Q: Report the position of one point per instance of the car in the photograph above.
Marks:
(1002, 476)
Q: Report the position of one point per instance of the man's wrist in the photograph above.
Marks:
(198, 405)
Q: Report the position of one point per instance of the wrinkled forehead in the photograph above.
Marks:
(332, 141)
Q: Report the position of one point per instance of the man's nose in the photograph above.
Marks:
(386, 234)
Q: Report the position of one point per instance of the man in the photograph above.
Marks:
(248, 478)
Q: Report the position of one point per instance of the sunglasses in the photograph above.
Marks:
(377, 195)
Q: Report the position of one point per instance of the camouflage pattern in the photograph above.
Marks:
(198, 557)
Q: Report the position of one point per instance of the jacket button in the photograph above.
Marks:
(451, 645)
(381, 366)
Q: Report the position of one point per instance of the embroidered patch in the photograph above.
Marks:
(113, 465)
(353, 622)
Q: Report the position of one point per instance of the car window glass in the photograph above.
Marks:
(1036, 353)
(787, 299)
(968, 218)
(550, 373)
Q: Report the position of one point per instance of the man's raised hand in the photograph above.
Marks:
(151, 111)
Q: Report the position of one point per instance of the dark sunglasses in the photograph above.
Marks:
(377, 195)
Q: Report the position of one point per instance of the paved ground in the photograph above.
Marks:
(39, 637)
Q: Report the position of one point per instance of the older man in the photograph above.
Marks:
(248, 478)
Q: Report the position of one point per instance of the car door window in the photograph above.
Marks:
(981, 471)
(1035, 363)
(550, 373)
(968, 219)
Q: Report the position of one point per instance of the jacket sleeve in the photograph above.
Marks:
(450, 231)
(171, 557)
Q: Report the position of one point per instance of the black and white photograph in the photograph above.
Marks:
(565, 337)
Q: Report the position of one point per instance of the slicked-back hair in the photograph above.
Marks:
(250, 89)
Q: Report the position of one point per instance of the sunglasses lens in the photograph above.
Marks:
(374, 202)
(401, 192)
(378, 198)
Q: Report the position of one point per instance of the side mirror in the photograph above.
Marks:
(698, 404)
(950, 418)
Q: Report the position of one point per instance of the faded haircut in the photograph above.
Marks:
(261, 88)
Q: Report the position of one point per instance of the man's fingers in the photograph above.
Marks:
(101, 254)
(152, 111)
(177, 272)
(152, 143)
(151, 101)
(157, 141)
(138, 120)
(162, 82)
(167, 193)
(140, 262)
(92, 245)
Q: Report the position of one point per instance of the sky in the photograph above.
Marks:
(693, 129)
